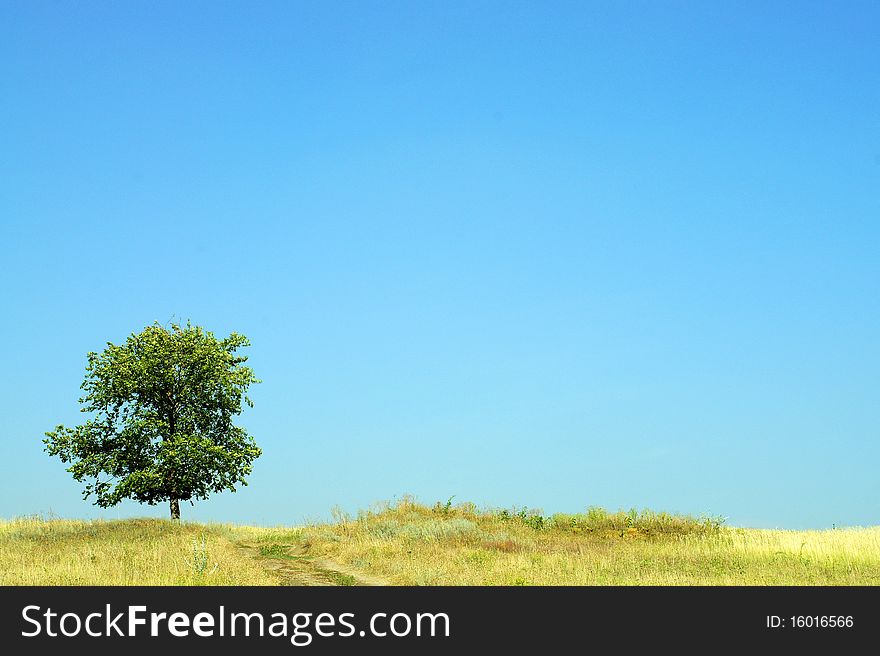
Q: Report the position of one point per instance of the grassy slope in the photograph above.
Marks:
(412, 544)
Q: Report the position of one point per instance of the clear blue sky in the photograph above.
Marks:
(542, 254)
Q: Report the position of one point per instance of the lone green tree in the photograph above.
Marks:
(162, 429)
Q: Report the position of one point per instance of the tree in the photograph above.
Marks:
(164, 403)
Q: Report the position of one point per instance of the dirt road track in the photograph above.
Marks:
(293, 566)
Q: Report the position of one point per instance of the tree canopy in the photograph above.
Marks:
(163, 405)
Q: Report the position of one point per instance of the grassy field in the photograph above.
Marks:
(124, 552)
(411, 544)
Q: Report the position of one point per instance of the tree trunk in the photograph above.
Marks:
(175, 509)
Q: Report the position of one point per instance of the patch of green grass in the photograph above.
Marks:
(339, 578)
(274, 550)
(597, 519)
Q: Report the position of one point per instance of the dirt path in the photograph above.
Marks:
(293, 566)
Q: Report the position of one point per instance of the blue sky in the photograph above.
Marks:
(541, 254)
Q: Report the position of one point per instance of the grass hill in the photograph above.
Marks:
(411, 544)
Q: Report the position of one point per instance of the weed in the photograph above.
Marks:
(446, 508)
(199, 558)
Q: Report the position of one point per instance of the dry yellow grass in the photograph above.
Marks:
(409, 544)
(126, 552)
